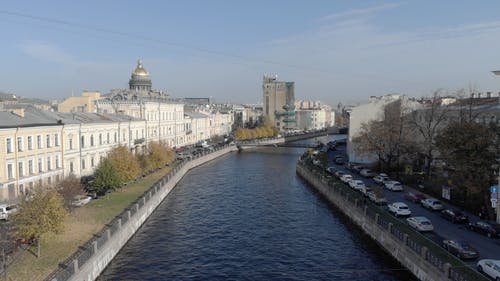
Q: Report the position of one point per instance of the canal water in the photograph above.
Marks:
(247, 216)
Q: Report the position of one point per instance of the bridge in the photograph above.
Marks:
(287, 141)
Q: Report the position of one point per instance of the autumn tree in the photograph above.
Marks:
(156, 155)
(69, 188)
(42, 212)
(388, 139)
(106, 177)
(125, 163)
(471, 149)
(427, 122)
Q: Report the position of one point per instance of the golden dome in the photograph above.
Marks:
(139, 70)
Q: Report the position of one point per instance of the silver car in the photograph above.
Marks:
(420, 223)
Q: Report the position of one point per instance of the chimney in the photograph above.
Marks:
(18, 111)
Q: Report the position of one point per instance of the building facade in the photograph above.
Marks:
(279, 102)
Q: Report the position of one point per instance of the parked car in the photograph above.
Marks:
(350, 166)
(365, 189)
(339, 160)
(420, 223)
(393, 185)
(486, 228)
(80, 200)
(432, 204)
(339, 174)
(461, 249)
(455, 216)
(356, 184)
(380, 178)
(358, 168)
(7, 210)
(367, 173)
(414, 197)
(377, 199)
(330, 170)
(399, 209)
(490, 268)
(346, 178)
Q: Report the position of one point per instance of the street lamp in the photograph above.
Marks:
(497, 72)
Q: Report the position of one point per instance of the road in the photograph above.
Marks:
(489, 248)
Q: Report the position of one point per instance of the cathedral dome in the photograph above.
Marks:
(139, 70)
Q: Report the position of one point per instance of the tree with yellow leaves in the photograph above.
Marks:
(125, 163)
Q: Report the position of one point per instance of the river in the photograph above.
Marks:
(247, 216)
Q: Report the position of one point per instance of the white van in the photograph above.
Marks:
(7, 210)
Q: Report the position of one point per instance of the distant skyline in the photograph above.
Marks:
(334, 51)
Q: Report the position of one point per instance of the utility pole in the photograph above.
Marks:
(497, 72)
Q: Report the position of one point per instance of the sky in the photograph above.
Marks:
(335, 51)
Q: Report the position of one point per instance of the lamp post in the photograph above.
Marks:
(497, 72)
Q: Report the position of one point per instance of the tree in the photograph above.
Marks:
(157, 155)
(427, 122)
(125, 163)
(106, 177)
(388, 139)
(471, 149)
(69, 188)
(41, 212)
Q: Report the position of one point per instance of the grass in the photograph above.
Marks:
(81, 225)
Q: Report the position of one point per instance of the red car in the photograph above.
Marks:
(414, 197)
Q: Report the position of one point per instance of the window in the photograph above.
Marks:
(40, 165)
(123, 135)
(71, 167)
(10, 172)
(30, 142)
(100, 139)
(92, 162)
(49, 162)
(8, 144)
(70, 144)
(48, 140)
(20, 169)
(91, 140)
(19, 144)
(39, 141)
(116, 137)
(82, 142)
(30, 167)
(83, 164)
(49, 180)
(107, 138)
(56, 139)
(57, 162)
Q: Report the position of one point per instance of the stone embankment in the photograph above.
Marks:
(93, 257)
(426, 260)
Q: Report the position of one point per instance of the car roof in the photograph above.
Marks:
(420, 219)
(399, 204)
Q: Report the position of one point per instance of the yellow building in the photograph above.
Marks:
(85, 103)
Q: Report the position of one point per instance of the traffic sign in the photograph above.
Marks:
(494, 189)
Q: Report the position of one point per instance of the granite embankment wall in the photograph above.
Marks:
(92, 258)
(427, 261)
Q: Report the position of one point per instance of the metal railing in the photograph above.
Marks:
(71, 265)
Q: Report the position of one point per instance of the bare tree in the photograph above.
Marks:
(69, 188)
(389, 138)
(427, 122)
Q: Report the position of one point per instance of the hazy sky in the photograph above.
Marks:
(335, 51)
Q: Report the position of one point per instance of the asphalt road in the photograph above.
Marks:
(489, 248)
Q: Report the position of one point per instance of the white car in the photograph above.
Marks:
(420, 223)
(432, 204)
(399, 209)
(490, 268)
(381, 178)
(356, 184)
(365, 190)
(367, 173)
(393, 185)
(377, 199)
(330, 170)
(346, 178)
(7, 210)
